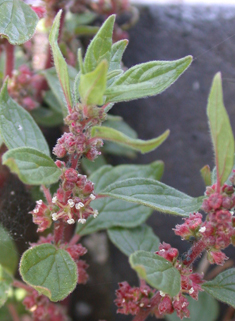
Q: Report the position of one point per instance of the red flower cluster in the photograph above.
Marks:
(78, 141)
(72, 199)
(130, 300)
(43, 309)
(23, 87)
(42, 216)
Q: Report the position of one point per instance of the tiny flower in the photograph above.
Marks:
(54, 216)
(95, 213)
(92, 196)
(79, 205)
(191, 291)
(162, 293)
(82, 221)
(71, 221)
(71, 203)
(202, 229)
(54, 199)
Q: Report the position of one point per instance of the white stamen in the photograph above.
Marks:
(54, 199)
(162, 294)
(39, 202)
(82, 221)
(92, 196)
(202, 229)
(79, 205)
(191, 291)
(123, 300)
(36, 210)
(71, 203)
(95, 213)
(71, 221)
(54, 216)
(162, 250)
(141, 304)
(145, 292)
(184, 304)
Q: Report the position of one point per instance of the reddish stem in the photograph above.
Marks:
(13, 312)
(74, 239)
(194, 252)
(9, 59)
(47, 194)
(19, 284)
(58, 231)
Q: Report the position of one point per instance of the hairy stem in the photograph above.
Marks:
(19, 284)
(47, 194)
(194, 252)
(13, 312)
(9, 59)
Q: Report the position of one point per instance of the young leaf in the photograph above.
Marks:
(153, 194)
(157, 271)
(100, 47)
(8, 253)
(113, 135)
(5, 285)
(222, 287)
(131, 240)
(60, 64)
(117, 51)
(17, 127)
(221, 131)
(50, 271)
(114, 212)
(17, 21)
(205, 309)
(32, 166)
(206, 175)
(54, 83)
(93, 84)
(147, 79)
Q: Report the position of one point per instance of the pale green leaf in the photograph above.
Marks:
(100, 47)
(144, 146)
(49, 270)
(222, 287)
(91, 166)
(117, 51)
(153, 194)
(5, 284)
(221, 131)
(117, 212)
(147, 79)
(17, 21)
(156, 271)
(32, 166)
(54, 83)
(131, 240)
(205, 309)
(93, 84)
(60, 64)
(17, 127)
(8, 252)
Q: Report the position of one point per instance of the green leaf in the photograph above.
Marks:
(17, 127)
(47, 117)
(205, 309)
(54, 83)
(32, 166)
(222, 287)
(113, 76)
(157, 271)
(93, 84)
(131, 240)
(153, 194)
(74, 20)
(144, 146)
(147, 79)
(100, 47)
(115, 212)
(206, 175)
(49, 270)
(112, 148)
(8, 253)
(117, 51)
(60, 64)
(90, 166)
(17, 21)
(51, 100)
(221, 131)
(5, 285)
(86, 30)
